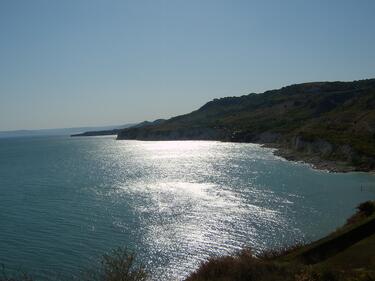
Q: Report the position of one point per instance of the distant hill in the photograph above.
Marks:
(118, 129)
(149, 123)
(97, 133)
(105, 131)
(331, 121)
(55, 132)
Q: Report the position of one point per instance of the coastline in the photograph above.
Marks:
(315, 161)
(345, 254)
(280, 149)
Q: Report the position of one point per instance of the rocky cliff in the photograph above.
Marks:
(324, 121)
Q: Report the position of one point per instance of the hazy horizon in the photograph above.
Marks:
(66, 128)
(101, 63)
(94, 126)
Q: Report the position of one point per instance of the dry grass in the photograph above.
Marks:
(273, 254)
(286, 263)
(240, 267)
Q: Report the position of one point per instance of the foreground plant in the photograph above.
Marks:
(119, 265)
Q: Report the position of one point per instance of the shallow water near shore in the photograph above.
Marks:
(65, 201)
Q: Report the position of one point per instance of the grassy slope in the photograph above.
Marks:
(360, 256)
(347, 254)
(340, 113)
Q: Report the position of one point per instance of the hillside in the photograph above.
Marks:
(115, 131)
(345, 255)
(329, 124)
(53, 132)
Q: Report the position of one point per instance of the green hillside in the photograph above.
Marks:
(332, 120)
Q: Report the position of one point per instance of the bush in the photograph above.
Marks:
(368, 208)
(119, 265)
(242, 266)
(364, 210)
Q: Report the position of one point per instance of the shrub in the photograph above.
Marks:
(309, 274)
(242, 266)
(368, 208)
(364, 210)
(119, 265)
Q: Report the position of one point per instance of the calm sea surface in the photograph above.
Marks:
(66, 201)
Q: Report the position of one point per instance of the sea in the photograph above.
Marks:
(64, 202)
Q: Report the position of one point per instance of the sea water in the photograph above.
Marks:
(66, 201)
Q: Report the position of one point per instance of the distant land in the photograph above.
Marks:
(57, 132)
(328, 124)
(111, 131)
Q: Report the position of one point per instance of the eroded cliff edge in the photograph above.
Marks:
(328, 124)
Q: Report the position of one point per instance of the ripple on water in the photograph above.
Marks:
(65, 201)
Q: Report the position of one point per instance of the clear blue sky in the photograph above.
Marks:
(89, 62)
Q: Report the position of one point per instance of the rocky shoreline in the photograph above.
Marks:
(315, 161)
(330, 125)
(320, 154)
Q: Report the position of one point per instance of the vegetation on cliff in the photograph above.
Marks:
(333, 120)
(345, 255)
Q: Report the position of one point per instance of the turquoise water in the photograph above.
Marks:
(65, 201)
